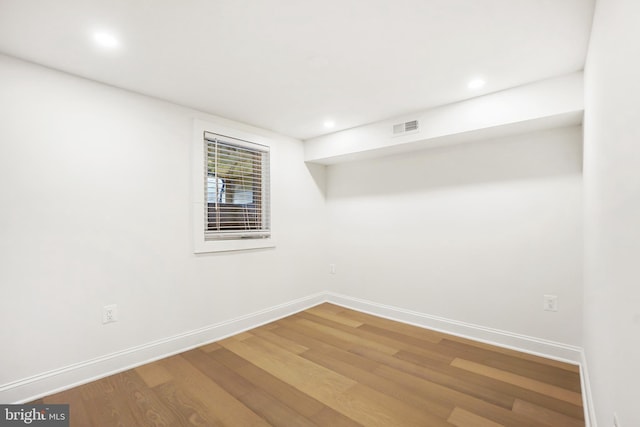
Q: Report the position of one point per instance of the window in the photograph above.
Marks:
(237, 190)
(232, 194)
(215, 189)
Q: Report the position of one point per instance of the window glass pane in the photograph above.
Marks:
(236, 190)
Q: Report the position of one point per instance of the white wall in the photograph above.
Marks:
(612, 211)
(95, 209)
(475, 232)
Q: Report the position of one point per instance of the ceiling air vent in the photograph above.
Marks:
(406, 127)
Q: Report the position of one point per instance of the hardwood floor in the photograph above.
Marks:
(330, 366)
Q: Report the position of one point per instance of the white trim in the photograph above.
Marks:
(526, 344)
(523, 343)
(46, 383)
(587, 397)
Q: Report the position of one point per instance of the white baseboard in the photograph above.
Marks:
(540, 347)
(587, 397)
(536, 346)
(37, 386)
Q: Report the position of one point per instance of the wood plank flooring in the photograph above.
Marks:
(330, 366)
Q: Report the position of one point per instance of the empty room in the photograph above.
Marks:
(336, 213)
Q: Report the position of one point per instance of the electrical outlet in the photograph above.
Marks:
(109, 313)
(332, 268)
(550, 303)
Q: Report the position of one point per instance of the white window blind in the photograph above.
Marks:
(236, 189)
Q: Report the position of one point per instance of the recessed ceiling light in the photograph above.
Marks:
(329, 124)
(105, 39)
(476, 84)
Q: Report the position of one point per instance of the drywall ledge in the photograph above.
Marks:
(542, 105)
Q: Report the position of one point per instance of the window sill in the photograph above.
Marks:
(207, 246)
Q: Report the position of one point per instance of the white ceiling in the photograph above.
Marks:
(288, 65)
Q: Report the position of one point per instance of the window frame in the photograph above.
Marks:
(199, 202)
